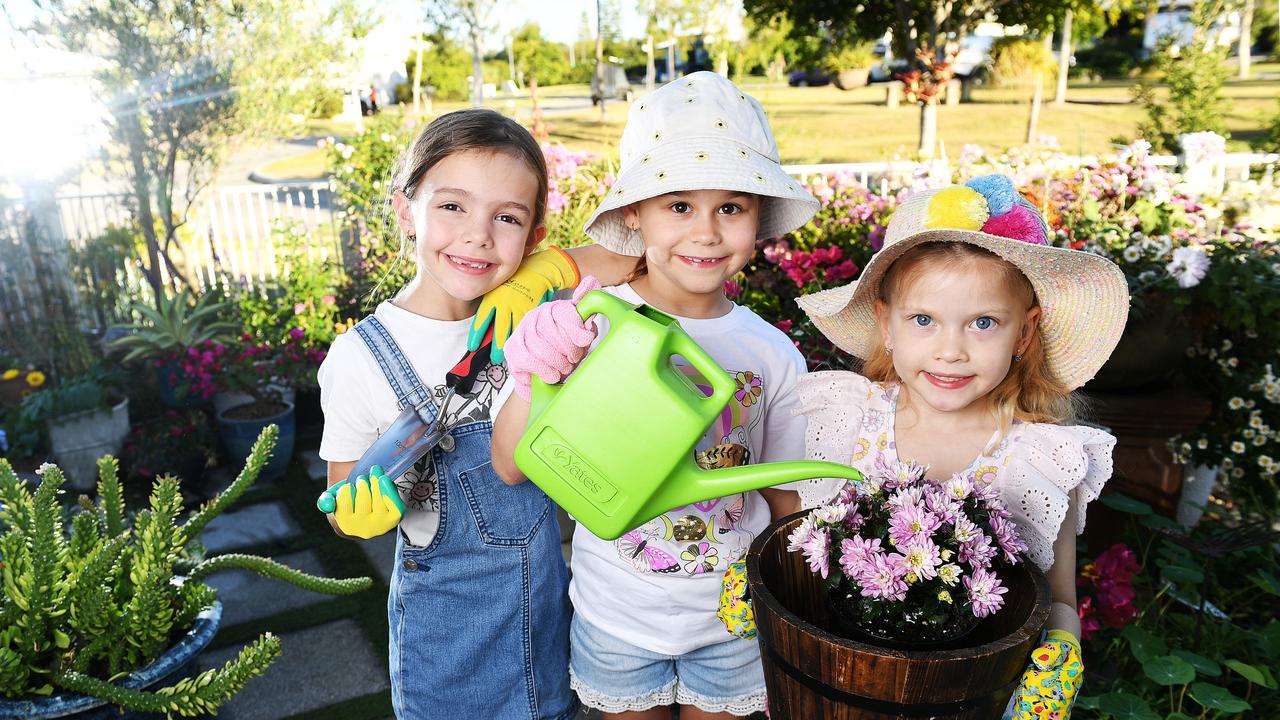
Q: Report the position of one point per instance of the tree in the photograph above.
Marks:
(186, 79)
(475, 19)
(916, 25)
(1018, 61)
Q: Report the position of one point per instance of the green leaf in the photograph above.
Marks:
(1268, 639)
(1268, 582)
(1123, 706)
(1202, 664)
(1251, 673)
(1125, 504)
(1087, 702)
(1158, 522)
(1217, 698)
(1183, 574)
(1178, 716)
(1169, 670)
(1091, 212)
(1143, 644)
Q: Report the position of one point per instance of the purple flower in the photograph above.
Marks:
(855, 552)
(985, 592)
(911, 522)
(1007, 537)
(882, 577)
(297, 333)
(958, 487)
(801, 534)
(942, 506)
(922, 559)
(978, 552)
(817, 551)
(907, 496)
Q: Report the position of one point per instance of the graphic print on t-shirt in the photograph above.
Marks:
(704, 537)
(419, 486)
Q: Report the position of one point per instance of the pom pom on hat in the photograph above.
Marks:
(1020, 223)
(999, 191)
(957, 207)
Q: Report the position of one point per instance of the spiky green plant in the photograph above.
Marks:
(86, 607)
(175, 324)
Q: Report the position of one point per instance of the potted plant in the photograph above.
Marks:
(85, 418)
(850, 66)
(16, 384)
(250, 371)
(181, 443)
(297, 362)
(175, 331)
(91, 615)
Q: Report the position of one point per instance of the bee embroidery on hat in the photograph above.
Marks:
(759, 178)
(742, 153)
(700, 155)
(660, 175)
(644, 160)
(721, 124)
(657, 136)
(643, 106)
(691, 99)
(617, 191)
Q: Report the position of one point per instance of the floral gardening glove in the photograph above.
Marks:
(735, 611)
(1050, 683)
(551, 341)
(538, 278)
(366, 510)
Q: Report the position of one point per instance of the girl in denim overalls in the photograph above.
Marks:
(478, 611)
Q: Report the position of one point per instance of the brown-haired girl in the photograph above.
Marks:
(478, 607)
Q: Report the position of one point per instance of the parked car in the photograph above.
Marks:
(615, 85)
(808, 78)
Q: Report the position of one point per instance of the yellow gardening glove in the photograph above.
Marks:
(735, 611)
(1050, 683)
(538, 278)
(365, 509)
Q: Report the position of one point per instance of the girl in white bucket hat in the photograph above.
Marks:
(700, 183)
(974, 332)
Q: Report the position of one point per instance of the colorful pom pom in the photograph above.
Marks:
(1020, 223)
(999, 191)
(956, 207)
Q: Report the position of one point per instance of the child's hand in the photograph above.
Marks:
(1050, 683)
(735, 611)
(539, 277)
(364, 509)
(551, 341)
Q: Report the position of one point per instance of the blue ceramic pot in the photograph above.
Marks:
(176, 663)
(238, 437)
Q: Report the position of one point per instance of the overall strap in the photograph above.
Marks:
(404, 382)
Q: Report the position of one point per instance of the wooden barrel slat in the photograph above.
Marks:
(812, 673)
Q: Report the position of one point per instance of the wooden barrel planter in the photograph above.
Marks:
(812, 673)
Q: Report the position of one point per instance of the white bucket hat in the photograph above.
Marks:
(1084, 297)
(699, 132)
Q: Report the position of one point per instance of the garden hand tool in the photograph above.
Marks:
(1052, 679)
(411, 436)
(550, 341)
(613, 444)
(537, 279)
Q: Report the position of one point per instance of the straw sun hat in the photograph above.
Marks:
(699, 132)
(1084, 297)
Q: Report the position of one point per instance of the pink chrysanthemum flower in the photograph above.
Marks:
(801, 534)
(964, 530)
(1007, 537)
(922, 559)
(911, 522)
(978, 552)
(882, 578)
(856, 551)
(958, 487)
(817, 551)
(985, 592)
(942, 506)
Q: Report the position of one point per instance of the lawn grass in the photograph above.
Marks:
(827, 125)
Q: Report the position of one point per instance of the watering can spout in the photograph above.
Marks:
(707, 484)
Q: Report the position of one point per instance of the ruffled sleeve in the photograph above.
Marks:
(1046, 464)
(833, 403)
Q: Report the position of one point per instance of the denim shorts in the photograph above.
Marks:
(615, 676)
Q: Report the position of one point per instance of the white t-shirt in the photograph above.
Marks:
(359, 404)
(658, 586)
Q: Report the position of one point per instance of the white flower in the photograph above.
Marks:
(831, 514)
(347, 152)
(1237, 447)
(1132, 254)
(1235, 403)
(1188, 266)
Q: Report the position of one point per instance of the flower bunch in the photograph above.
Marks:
(577, 183)
(177, 442)
(296, 362)
(911, 552)
(1106, 590)
(196, 370)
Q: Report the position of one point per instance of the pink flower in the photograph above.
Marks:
(841, 272)
(882, 578)
(732, 289)
(1007, 537)
(856, 551)
(297, 333)
(978, 552)
(817, 551)
(922, 558)
(299, 308)
(801, 534)
(911, 522)
(328, 299)
(784, 325)
(985, 592)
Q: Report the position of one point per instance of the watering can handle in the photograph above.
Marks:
(592, 303)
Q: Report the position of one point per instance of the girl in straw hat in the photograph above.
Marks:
(974, 332)
(700, 183)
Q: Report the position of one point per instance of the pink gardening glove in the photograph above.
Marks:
(550, 341)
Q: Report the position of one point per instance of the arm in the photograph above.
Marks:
(1062, 576)
(338, 471)
(781, 502)
(507, 431)
(609, 267)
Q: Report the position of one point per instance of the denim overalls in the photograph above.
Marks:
(479, 619)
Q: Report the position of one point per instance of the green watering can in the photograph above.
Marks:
(613, 445)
